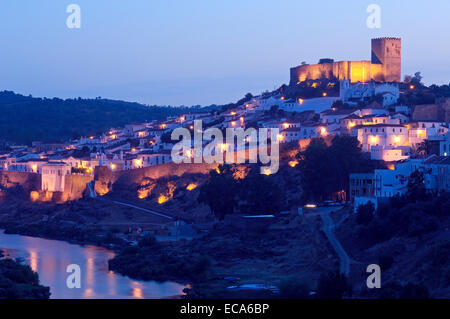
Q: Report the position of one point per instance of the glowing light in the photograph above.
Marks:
(233, 113)
(411, 87)
(397, 139)
(285, 125)
(419, 132)
(113, 137)
(373, 139)
(182, 118)
(162, 199)
(267, 171)
(324, 94)
(113, 166)
(293, 163)
(223, 147)
(283, 98)
(163, 126)
(300, 101)
(188, 153)
(280, 137)
(323, 131)
(89, 170)
(351, 124)
(191, 127)
(146, 188)
(34, 196)
(233, 123)
(91, 137)
(310, 205)
(138, 162)
(191, 186)
(241, 119)
(34, 168)
(133, 150)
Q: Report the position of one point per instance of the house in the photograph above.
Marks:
(384, 135)
(53, 176)
(336, 115)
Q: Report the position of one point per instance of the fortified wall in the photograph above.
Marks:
(28, 181)
(433, 112)
(105, 178)
(74, 186)
(384, 66)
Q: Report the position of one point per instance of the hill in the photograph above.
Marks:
(25, 119)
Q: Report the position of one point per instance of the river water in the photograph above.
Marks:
(50, 258)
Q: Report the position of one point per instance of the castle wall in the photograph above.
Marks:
(28, 181)
(105, 179)
(384, 66)
(387, 52)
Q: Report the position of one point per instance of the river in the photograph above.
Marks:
(50, 258)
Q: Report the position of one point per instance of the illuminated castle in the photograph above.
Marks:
(385, 66)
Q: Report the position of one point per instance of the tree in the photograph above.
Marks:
(220, 192)
(260, 194)
(416, 186)
(364, 213)
(424, 147)
(326, 169)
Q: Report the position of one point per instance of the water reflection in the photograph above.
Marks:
(50, 259)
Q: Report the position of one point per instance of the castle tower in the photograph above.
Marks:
(386, 59)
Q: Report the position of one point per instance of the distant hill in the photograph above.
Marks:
(24, 119)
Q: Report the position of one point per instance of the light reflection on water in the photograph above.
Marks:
(50, 258)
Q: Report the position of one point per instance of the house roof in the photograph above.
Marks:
(338, 112)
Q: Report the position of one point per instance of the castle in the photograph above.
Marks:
(384, 66)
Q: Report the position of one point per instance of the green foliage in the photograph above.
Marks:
(256, 193)
(260, 194)
(416, 187)
(27, 119)
(147, 241)
(20, 282)
(326, 169)
(220, 192)
(365, 213)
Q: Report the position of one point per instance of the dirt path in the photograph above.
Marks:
(328, 229)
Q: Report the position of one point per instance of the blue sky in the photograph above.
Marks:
(202, 51)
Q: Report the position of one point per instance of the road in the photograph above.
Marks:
(142, 209)
(328, 229)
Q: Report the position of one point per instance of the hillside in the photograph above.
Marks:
(25, 119)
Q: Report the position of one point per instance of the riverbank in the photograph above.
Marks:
(18, 281)
(292, 246)
(225, 257)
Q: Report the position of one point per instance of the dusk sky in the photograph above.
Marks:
(203, 51)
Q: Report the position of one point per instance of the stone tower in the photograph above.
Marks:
(387, 59)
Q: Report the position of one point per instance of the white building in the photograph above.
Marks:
(53, 176)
